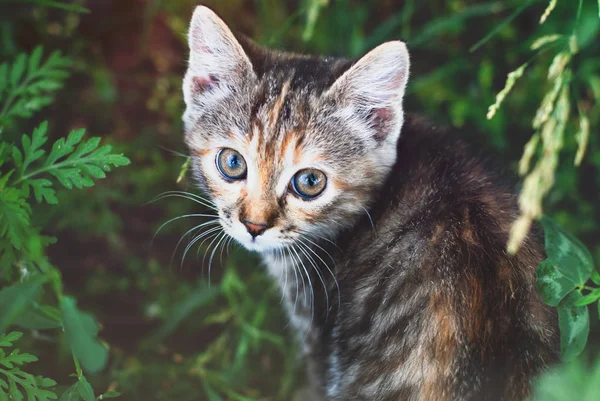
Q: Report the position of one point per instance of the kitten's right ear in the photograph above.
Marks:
(217, 63)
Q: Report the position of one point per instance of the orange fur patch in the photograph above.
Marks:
(437, 385)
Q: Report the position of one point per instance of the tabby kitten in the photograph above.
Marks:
(387, 237)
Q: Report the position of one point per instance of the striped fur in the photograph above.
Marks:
(396, 278)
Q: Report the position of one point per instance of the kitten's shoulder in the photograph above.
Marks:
(423, 139)
(426, 149)
(440, 175)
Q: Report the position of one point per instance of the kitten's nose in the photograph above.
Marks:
(255, 229)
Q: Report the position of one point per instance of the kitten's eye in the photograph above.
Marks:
(231, 165)
(309, 183)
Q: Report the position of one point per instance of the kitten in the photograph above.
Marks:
(387, 237)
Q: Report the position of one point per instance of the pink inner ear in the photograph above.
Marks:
(202, 84)
(380, 120)
(198, 41)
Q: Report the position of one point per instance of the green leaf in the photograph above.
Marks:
(574, 381)
(566, 252)
(71, 394)
(32, 147)
(73, 162)
(37, 388)
(201, 296)
(3, 77)
(18, 69)
(81, 330)
(14, 217)
(14, 392)
(64, 146)
(551, 284)
(595, 277)
(44, 382)
(17, 157)
(15, 299)
(39, 318)
(589, 298)
(42, 190)
(7, 340)
(27, 85)
(34, 60)
(85, 390)
(16, 358)
(574, 324)
(210, 393)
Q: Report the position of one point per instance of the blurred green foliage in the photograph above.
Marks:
(170, 335)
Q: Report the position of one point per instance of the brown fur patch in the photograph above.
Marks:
(437, 386)
(467, 232)
(436, 233)
(277, 106)
(200, 152)
(260, 212)
(474, 303)
(343, 185)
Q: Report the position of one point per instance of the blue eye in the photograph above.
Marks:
(309, 183)
(231, 165)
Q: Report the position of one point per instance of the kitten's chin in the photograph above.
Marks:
(258, 244)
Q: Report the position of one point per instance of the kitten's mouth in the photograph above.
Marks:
(261, 243)
(268, 241)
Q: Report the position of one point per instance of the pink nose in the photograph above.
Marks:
(255, 229)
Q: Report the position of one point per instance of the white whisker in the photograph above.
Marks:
(225, 246)
(218, 238)
(214, 221)
(223, 237)
(185, 195)
(299, 271)
(318, 237)
(326, 266)
(369, 216)
(301, 247)
(293, 266)
(179, 218)
(198, 238)
(312, 294)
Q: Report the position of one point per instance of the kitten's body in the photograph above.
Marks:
(431, 306)
(413, 295)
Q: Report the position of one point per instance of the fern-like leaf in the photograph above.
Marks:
(15, 215)
(72, 161)
(27, 85)
(16, 384)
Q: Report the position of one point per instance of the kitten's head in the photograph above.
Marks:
(289, 146)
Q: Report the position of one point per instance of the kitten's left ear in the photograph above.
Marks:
(370, 93)
(218, 62)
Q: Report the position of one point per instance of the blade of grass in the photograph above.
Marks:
(445, 24)
(501, 26)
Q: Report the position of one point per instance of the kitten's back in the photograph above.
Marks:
(435, 308)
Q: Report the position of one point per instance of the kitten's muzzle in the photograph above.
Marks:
(255, 229)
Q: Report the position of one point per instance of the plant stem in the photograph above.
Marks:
(51, 167)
